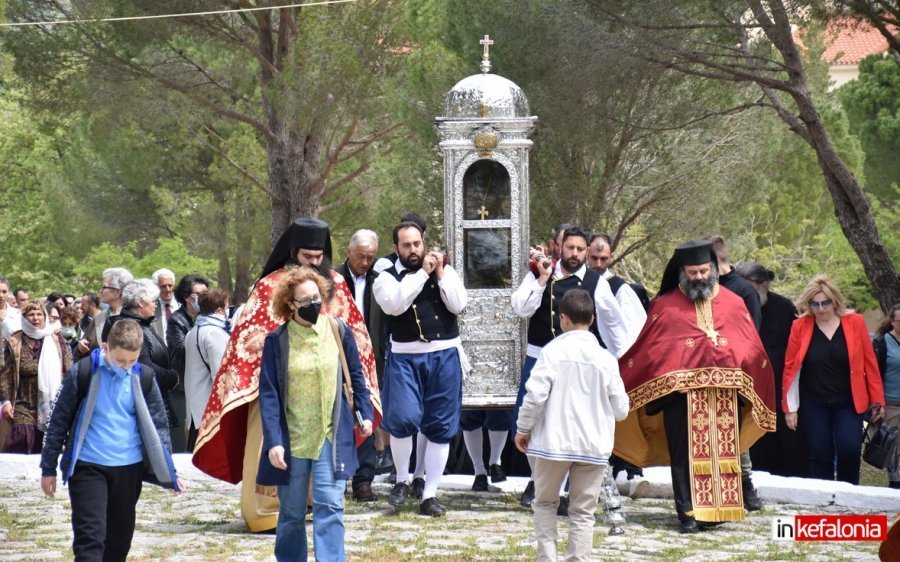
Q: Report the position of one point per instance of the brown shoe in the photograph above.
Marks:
(364, 493)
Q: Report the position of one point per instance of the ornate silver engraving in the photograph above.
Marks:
(486, 123)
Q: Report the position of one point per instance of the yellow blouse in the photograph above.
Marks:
(311, 386)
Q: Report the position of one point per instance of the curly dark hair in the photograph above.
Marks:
(186, 287)
(281, 301)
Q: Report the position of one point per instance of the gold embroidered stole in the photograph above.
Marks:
(714, 448)
(715, 473)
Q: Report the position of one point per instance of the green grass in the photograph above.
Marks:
(871, 476)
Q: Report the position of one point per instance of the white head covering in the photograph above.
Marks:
(49, 367)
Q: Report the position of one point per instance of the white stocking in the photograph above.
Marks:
(435, 461)
(421, 447)
(401, 449)
(498, 441)
(475, 447)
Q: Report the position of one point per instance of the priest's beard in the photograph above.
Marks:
(698, 290)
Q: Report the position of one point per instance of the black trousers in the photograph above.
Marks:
(365, 454)
(675, 424)
(103, 505)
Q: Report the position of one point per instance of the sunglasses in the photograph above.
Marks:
(813, 305)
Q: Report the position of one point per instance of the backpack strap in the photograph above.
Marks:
(146, 375)
(89, 365)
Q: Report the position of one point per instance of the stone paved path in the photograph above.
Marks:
(205, 524)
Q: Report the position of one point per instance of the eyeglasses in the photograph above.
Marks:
(813, 305)
(165, 285)
(306, 301)
(108, 288)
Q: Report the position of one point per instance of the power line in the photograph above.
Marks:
(168, 16)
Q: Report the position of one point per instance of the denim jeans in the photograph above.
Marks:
(834, 430)
(328, 511)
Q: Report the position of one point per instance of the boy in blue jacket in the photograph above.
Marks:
(116, 433)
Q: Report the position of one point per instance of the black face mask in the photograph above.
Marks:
(310, 312)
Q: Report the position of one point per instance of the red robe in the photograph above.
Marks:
(710, 353)
(222, 435)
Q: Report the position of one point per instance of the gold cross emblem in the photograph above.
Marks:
(483, 212)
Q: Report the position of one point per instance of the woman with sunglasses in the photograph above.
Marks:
(831, 379)
(307, 419)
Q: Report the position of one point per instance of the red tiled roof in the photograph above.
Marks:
(853, 42)
(849, 41)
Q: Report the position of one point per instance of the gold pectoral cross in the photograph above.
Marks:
(483, 212)
(705, 318)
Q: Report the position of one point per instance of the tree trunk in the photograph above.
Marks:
(293, 166)
(853, 211)
(293, 150)
(242, 261)
(223, 278)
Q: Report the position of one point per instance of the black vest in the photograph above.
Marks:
(427, 319)
(616, 282)
(544, 324)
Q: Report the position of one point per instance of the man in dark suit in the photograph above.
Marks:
(785, 452)
(359, 274)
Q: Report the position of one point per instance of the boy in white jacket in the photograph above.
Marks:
(567, 425)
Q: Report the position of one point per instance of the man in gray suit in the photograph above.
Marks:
(166, 305)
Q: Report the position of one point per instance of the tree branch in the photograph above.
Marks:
(234, 164)
(210, 79)
(242, 41)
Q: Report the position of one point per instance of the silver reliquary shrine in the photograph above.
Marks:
(484, 138)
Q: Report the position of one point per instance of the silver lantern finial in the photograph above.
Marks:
(485, 58)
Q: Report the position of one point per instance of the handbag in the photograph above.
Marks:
(880, 445)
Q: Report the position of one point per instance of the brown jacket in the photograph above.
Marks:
(9, 373)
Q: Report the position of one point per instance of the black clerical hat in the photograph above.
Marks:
(305, 232)
(694, 252)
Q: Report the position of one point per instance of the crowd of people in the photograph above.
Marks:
(329, 374)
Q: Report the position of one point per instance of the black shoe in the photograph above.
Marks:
(385, 463)
(364, 493)
(398, 494)
(418, 488)
(688, 525)
(562, 510)
(431, 507)
(497, 474)
(528, 495)
(708, 524)
(894, 484)
(751, 499)
(480, 484)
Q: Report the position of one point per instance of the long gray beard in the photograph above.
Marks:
(698, 290)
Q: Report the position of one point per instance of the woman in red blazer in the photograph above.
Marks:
(830, 346)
